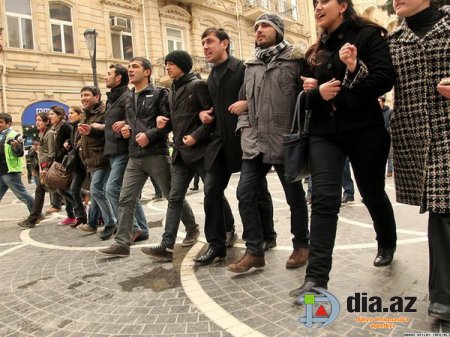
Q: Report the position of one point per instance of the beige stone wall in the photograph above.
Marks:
(29, 76)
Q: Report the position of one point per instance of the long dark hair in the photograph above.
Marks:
(349, 15)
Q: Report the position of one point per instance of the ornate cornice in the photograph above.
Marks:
(129, 4)
(176, 13)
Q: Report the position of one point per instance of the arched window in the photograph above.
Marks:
(61, 26)
(19, 23)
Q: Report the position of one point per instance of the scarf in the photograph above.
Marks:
(267, 54)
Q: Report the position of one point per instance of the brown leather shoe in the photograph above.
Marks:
(298, 258)
(246, 263)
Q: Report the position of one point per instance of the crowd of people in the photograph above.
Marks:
(235, 121)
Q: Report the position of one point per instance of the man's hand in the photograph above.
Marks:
(14, 143)
(444, 87)
(238, 107)
(98, 126)
(117, 126)
(206, 116)
(330, 89)
(348, 54)
(161, 122)
(142, 139)
(126, 131)
(84, 129)
(309, 83)
(189, 140)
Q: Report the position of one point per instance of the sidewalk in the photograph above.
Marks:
(54, 284)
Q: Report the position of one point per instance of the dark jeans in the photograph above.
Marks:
(367, 150)
(13, 181)
(347, 182)
(218, 216)
(253, 173)
(181, 176)
(439, 243)
(75, 189)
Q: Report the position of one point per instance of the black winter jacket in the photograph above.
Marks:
(63, 131)
(356, 105)
(224, 136)
(115, 144)
(188, 96)
(151, 103)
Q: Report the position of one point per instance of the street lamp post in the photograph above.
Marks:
(90, 35)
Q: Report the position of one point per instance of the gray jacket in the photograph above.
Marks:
(271, 92)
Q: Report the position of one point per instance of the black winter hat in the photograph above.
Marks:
(272, 19)
(181, 58)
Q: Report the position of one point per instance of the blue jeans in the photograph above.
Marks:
(347, 182)
(136, 174)
(253, 174)
(113, 186)
(99, 178)
(14, 182)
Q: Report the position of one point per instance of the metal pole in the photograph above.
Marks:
(94, 61)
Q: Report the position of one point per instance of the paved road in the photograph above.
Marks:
(54, 284)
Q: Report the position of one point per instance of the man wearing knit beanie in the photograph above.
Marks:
(271, 86)
(181, 58)
(187, 97)
(273, 20)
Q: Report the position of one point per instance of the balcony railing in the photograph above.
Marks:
(253, 8)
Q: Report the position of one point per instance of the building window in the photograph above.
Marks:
(294, 10)
(174, 39)
(282, 7)
(121, 38)
(232, 50)
(19, 23)
(62, 31)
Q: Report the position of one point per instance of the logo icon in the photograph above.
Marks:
(315, 309)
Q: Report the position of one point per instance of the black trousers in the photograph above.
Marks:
(439, 248)
(253, 177)
(368, 150)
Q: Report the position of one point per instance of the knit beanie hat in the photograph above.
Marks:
(274, 20)
(181, 58)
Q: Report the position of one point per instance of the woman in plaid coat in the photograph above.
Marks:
(420, 127)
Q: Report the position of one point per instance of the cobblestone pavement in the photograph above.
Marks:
(54, 284)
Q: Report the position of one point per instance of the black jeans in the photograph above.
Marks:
(368, 150)
(253, 174)
(218, 216)
(439, 243)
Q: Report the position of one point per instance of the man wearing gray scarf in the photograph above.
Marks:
(271, 86)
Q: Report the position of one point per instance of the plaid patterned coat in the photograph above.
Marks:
(420, 122)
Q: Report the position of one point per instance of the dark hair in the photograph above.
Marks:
(349, 15)
(382, 99)
(77, 109)
(220, 33)
(146, 64)
(6, 117)
(94, 90)
(122, 71)
(59, 111)
(44, 117)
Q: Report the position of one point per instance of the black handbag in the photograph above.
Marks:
(296, 165)
(70, 160)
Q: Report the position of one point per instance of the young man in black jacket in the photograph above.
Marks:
(187, 97)
(116, 147)
(148, 153)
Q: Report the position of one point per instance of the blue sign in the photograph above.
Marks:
(29, 114)
(315, 312)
